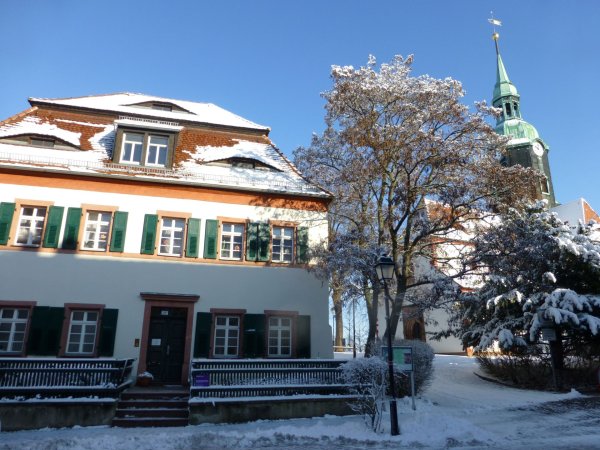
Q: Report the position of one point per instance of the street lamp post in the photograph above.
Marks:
(385, 271)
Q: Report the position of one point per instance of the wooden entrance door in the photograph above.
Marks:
(166, 344)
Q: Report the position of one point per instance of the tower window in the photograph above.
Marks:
(508, 110)
(545, 186)
(516, 108)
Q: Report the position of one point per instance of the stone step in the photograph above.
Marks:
(130, 422)
(152, 412)
(124, 404)
(167, 395)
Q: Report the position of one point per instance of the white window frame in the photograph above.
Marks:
(15, 322)
(34, 220)
(96, 230)
(159, 148)
(227, 329)
(232, 239)
(282, 241)
(88, 327)
(276, 332)
(171, 230)
(131, 159)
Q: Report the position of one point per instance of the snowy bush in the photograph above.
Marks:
(367, 378)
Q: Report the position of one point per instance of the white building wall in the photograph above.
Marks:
(53, 278)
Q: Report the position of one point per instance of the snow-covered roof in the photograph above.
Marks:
(97, 162)
(128, 103)
(576, 211)
(34, 125)
(93, 138)
(257, 151)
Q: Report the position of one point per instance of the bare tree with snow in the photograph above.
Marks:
(394, 140)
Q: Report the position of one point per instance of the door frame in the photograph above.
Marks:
(185, 301)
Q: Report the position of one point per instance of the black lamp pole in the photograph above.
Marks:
(385, 269)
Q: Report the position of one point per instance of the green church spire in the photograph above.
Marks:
(525, 146)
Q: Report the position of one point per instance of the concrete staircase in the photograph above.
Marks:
(153, 407)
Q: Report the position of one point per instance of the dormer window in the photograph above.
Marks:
(42, 142)
(242, 163)
(162, 106)
(144, 148)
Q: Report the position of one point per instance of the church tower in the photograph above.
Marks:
(525, 146)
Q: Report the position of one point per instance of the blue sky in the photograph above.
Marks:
(269, 60)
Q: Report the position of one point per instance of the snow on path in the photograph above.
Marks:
(459, 410)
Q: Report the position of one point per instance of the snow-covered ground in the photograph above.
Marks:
(458, 411)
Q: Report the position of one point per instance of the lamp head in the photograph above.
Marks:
(385, 269)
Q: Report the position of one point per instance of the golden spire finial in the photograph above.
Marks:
(495, 35)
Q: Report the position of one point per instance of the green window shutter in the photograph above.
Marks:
(252, 242)
(117, 236)
(254, 335)
(264, 241)
(53, 223)
(45, 331)
(302, 245)
(202, 337)
(108, 330)
(303, 337)
(210, 239)
(7, 211)
(72, 228)
(193, 238)
(149, 234)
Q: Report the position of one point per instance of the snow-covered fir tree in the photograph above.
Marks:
(534, 268)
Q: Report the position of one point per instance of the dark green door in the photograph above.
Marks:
(166, 344)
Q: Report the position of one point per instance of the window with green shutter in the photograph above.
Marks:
(264, 241)
(252, 242)
(72, 228)
(193, 238)
(53, 223)
(45, 331)
(149, 234)
(202, 337)
(108, 331)
(119, 227)
(7, 211)
(210, 239)
(303, 337)
(254, 335)
(258, 241)
(302, 245)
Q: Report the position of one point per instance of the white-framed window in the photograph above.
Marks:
(31, 225)
(232, 239)
(283, 244)
(82, 332)
(13, 323)
(171, 236)
(158, 148)
(227, 337)
(131, 151)
(97, 226)
(280, 336)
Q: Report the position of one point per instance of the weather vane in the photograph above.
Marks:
(495, 23)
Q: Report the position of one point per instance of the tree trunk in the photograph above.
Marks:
(336, 296)
(372, 300)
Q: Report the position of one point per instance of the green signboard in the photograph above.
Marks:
(402, 357)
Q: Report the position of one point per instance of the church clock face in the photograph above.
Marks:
(538, 150)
